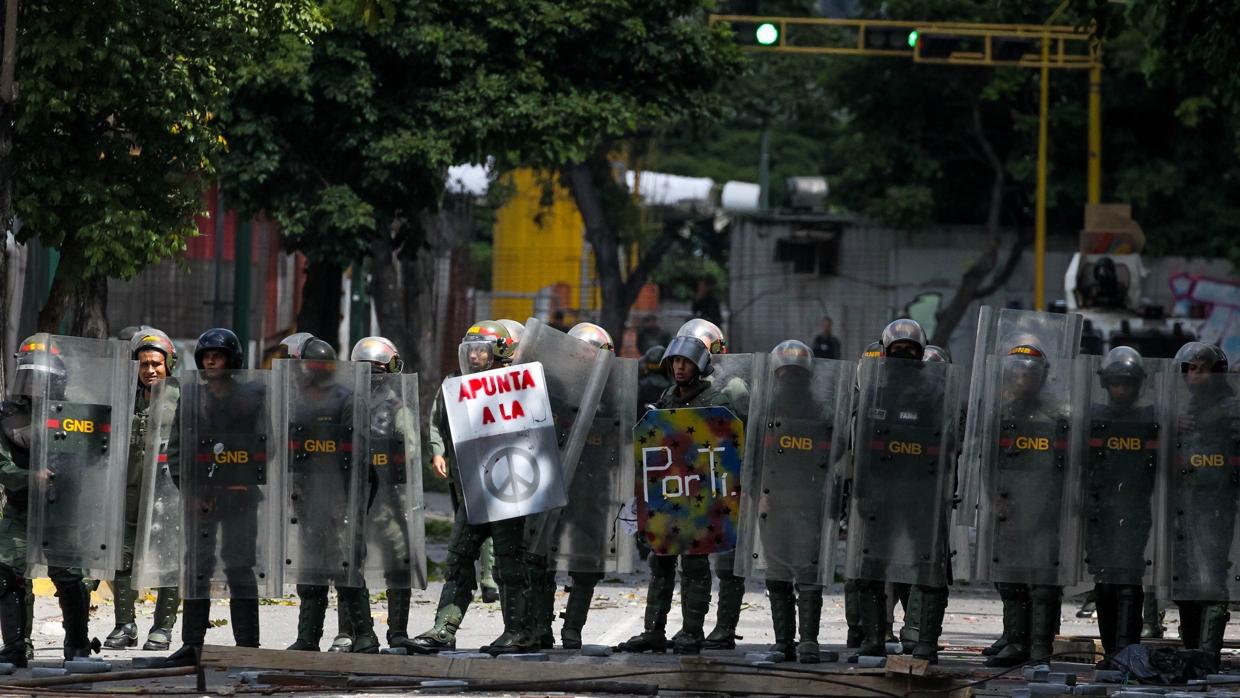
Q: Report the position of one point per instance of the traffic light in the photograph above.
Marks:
(890, 38)
(766, 34)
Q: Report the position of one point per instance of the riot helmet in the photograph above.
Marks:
(591, 333)
(151, 338)
(707, 333)
(936, 354)
(792, 354)
(515, 332)
(904, 339)
(38, 362)
(652, 359)
(1199, 357)
(304, 345)
(1025, 368)
(1122, 373)
(690, 348)
(379, 352)
(873, 350)
(222, 340)
(484, 343)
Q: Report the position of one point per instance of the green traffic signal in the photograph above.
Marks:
(766, 34)
(912, 39)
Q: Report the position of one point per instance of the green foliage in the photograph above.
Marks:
(115, 124)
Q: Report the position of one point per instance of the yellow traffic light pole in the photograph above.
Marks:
(1062, 47)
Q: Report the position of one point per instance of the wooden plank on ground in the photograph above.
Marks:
(694, 674)
(906, 665)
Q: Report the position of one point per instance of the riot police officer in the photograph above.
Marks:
(16, 438)
(321, 400)
(731, 586)
(1120, 483)
(1027, 531)
(156, 357)
(652, 381)
(1204, 498)
(687, 362)
(482, 347)
(586, 499)
(852, 598)
(387, 529)
(221, 403)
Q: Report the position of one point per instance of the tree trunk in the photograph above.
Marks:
(8, 102)
(618, 291)
(90, 308)
(971, 282)
(320, 302)
(69, 274)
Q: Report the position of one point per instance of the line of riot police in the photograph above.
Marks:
(1049, 470)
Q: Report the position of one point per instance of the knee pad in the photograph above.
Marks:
(695, 567)
(1046, 594)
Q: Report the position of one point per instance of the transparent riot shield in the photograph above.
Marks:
(786, 522)
(584, 535)
(230, 465)
(322, 414)
(395, 520)
(576, 373)
(1198, 499)
(904, 462)
(1120, 433)
(1058, 335)
(734, 375)
(82, 413)
(157, 549)
(1029, 507)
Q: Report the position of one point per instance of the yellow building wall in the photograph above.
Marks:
(538, 243)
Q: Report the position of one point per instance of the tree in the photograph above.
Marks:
(346, 143)
(115, 128)
(612, 74)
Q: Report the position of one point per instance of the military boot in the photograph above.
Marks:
(542, 608)
(783, 619)
(727, 614)
(310, 616)
(167, 602)
(74, 600)
(398, 601)
(193, 632)
(516, 639)
(1128, 604)
(1044, 620)
(873, 611)
(343, 642)
(653, 638)
(1152, 617)
(28, 626)
(1106, 600)
(442, 635)
(356, 602)
(1214, 619)
(930, 607)
(852, 614)
(809, 616)
(125, 634)
(909, 632)
(998, 645)
(486, 572)
(1016, 609)
(244, 616)
(1190, 624)
(574, 615)
(12, 621)
(694, 605)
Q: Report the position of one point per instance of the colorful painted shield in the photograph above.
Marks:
(689, 479)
